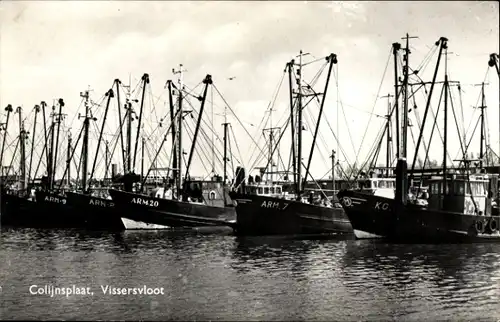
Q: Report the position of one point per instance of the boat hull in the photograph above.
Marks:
(258, 216)
(414, 224)
(170, 213)
(57, 211)
(98, 213)
(18, 211)
(48, 210)
(130, 224)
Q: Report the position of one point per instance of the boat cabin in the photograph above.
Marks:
(208, 192)
(382, 187)
(265, 189)
(467, 194)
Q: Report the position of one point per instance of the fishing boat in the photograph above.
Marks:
(182, 201)
(463, 213)
(90, 203)
(15, 208)
(460, 204)
(61, 203)
(262, 208)
(23, 204)
(139, 211)
(95, 204)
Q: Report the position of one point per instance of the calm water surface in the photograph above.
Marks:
(221, 277)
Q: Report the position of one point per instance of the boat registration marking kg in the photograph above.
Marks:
(379, 205)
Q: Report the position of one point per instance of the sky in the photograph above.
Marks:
(57, 49)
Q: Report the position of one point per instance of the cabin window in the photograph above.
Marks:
(278, 190)
(259, 191)
(481, 189)
(459, 188)
(368, 184)
(449, 189)
(436, 188)
(381, 184)
(477, 189)
(253, 190)
(266, 190)
(473, 188)
(467, 188)
(272, 190)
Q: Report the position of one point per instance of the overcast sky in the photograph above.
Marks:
(52, 49)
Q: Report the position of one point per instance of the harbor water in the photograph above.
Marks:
(216, 276)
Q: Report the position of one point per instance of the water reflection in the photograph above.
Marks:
(451, 279)
(215, 276)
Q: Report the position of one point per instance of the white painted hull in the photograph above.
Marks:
(360, 234)
(133, 224)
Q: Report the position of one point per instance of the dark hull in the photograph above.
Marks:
(57, 211)
(98, 213)
(18, 212)
(413, 224)
(258, 216)
(170, 213)
(49, 210)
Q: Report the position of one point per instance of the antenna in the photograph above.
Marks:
(180, 71)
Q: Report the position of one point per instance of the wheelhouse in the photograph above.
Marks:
(264, 189)
(462, 193)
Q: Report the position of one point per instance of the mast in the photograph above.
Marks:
(68, 159)
(9, 110)
(180, 71)
(172, 122)
(395, 48)
(290, 84)
(272, 147)
(207, 81)
(401, 195)
(110, 95)
(51, 165)
(482, 107)
(46, 137)
(59, 118)
(142, 160)
(225, 151)
(406, 75)
(145, 81)
(493, 62)
(129, 137)
(85, 145)
(22, 138)
(299, 127)
(332, 59)
(106, 143)
(388, 153)
(37, 110)
(333, 174)
(268, 172)
(442, 43)
(445, 134)
(117, 84)
(129, 112)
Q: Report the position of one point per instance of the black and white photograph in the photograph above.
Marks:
(249, 160)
